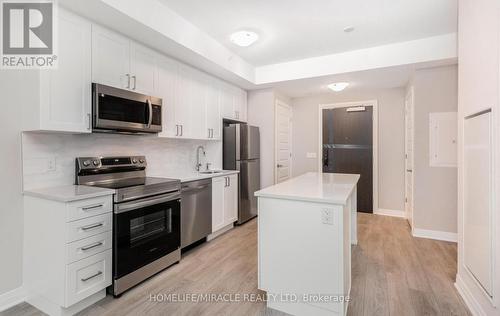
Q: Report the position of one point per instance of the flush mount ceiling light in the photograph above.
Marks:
(338, 86)
(348, 29)
(244, 38)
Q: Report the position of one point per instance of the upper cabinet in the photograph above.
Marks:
(233, 102)
(121, 63)
(194, 102)
(65, 102)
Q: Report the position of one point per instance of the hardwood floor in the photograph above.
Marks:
(393, 274)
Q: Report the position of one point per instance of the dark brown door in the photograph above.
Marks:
(348, 148)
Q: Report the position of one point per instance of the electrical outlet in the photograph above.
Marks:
(51, 164)
(327, 216)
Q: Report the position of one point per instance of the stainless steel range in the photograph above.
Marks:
(146, 219)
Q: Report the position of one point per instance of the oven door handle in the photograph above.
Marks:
(125, 207)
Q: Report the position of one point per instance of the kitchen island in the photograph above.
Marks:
(306, 227)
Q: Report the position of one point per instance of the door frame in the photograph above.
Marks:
(410, 96)
(276, 104)
(372, 103)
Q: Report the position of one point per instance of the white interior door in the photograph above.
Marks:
(409, 132)
(283, 168)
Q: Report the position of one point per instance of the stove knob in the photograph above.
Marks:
(142, 161)
(96, 162)
(134, 160)
(86, 163)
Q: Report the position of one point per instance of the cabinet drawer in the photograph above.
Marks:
(91, 207)
(87, 277)
(87, 247)
(88, 227)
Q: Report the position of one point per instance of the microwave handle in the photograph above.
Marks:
(150, 107)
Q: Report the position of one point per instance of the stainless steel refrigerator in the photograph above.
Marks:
(242, 152)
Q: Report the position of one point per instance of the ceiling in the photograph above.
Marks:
(361, 81)
(297, 29)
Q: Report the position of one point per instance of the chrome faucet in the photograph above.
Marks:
(198, 163)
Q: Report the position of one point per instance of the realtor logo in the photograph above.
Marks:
(28, 34)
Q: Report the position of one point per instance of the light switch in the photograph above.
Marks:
(327, 216)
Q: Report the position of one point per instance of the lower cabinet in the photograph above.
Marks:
(224, 201)
(67, 253)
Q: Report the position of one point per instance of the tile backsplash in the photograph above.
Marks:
(49, 159)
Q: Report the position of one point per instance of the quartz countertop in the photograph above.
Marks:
(68, 193)
(317, 187)
(193, 176)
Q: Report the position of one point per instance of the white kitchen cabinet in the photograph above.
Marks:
(121, 63)
(67, 251)
(168, 73)
(231, 199)
(218, 187)
(213, 113)
(110, 58)
(64, 103)
(143, 69)
(198, 91)
(233, 102)
(224, 201)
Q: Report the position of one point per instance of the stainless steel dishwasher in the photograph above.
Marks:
(196, 211)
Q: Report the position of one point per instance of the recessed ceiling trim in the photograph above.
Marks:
(437, 48)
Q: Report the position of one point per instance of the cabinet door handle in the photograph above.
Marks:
(89, 127)
(92, 276)
(98, 244)
(92, 226)
(88, 208)
(128, 81)
(209, 133)
(176, 130)
(182, 129)
(135, 82)
(228, 181)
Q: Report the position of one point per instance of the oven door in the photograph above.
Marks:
(122, 110)
(144, 231)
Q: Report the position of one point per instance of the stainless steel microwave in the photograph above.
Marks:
(122, 111)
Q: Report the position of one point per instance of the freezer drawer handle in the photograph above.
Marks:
(92, 276)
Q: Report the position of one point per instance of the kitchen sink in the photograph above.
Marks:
(211, 171)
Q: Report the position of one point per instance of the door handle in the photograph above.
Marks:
(128, 81)
(409, 170)
(182, 130)
(90, 121)
(135, 82)
(279, 166)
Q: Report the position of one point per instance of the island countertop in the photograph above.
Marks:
(314, 187)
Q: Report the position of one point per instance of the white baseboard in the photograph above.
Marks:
(435, 234)
(12, 298)
(470, 301)
(385, 212)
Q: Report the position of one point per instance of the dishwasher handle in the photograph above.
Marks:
(187, 188)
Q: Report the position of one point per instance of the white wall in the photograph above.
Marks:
(11, 206)
(391, 138)
(261, 113)
(435, 188)
(478, 82)
(165, 157)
